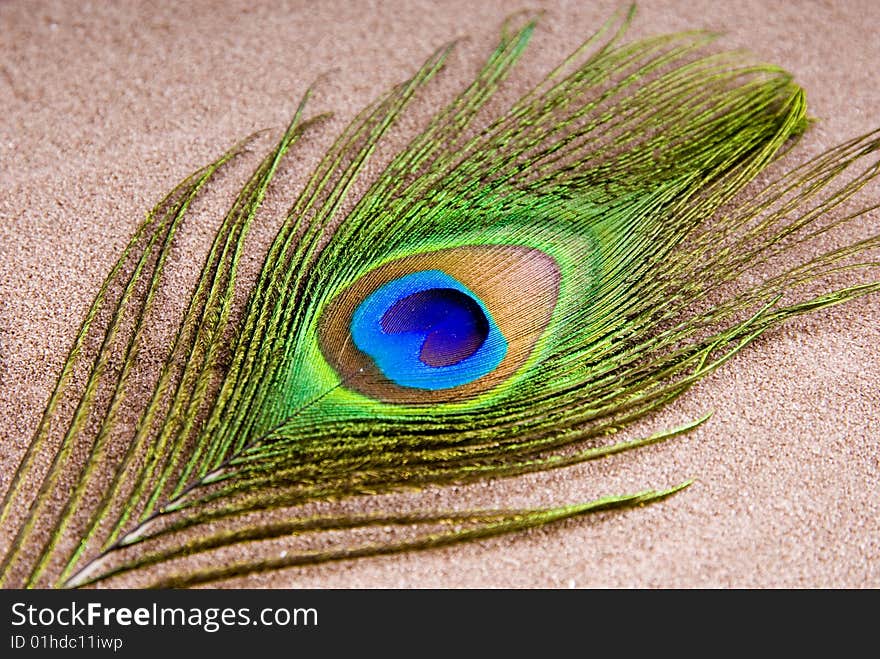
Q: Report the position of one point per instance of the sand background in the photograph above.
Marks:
(105, 106)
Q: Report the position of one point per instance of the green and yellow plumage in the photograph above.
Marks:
(599, 223)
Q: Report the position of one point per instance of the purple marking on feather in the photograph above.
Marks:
(453, 323)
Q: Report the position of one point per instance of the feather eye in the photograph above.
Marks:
(440, 326)
(506, 294)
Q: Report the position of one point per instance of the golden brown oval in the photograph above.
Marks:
(518, 285)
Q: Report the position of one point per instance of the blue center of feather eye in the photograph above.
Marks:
(427, 330)
(453, 324)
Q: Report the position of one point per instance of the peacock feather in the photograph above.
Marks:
(503, 296)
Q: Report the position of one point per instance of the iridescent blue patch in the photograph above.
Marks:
(427, 330)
